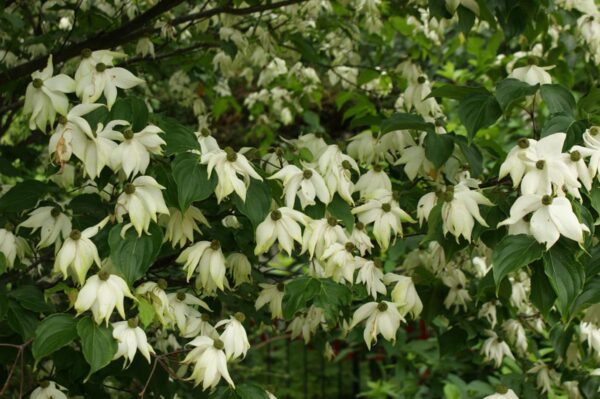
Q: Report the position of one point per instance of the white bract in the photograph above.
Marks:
(53, 224)
(551, 217)
(281, 225)
(209, 362)
(306, 184)
(234, 336)
(382, 318)
(460, 210)
(142, 200)
(48, 390)
(207, 257)
(130, 339)
(271, 294)
(181, 226)
(101, 293)
(132, 155)
(228, 164)
(45, 96)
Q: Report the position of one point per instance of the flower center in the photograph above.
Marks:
(377, 168)
(523, 143)
(62, 119)
(55, 212)
(8, 226)
(501, 389)
(382, 306)
(547, 199)
(421, 79)
(239, 316)
(205, 132)
(540, 164)
(75, 234)
(37, 83)
(594, 130)
(86, 53)
(307, 174)
(205, 317)
(278, 151)
(129, 188)
(575, 156)
(181, 296)
(332, 221)
(280, 287)
(349, 247)
(386, 207)
(128, 134)
(359, 225)
(100, 67)
(162, 283)
(231, 155)
(218, 344)
(44, 384)
(215, 245)
(133, 322)
(449, 195)
(275, 215)
(103, 275)
(346, 164)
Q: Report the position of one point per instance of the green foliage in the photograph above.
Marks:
(53, 333)
(97, 344)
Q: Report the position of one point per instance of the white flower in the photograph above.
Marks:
(101, 293)
(180, 304)
(208, 258)
(590, 333)
(320, 234)
(375, 179)
(72, 133)
(234, 337)
(274, 69)
(340, 262)
(416, 95)
(232, 222)
(532, 74)
(133, 153)
(158, 298)
(461, 209)
(307, 184)
(306, 325)
(382, 318)
(458, 296)
(228, 165)
(472, 5)
(362, 147)
(426, 203)
(210, 362)
(415, 162)
(207, 142)
(240, 267)
(387, 217)
(336, 168)
(404, 295)
(281, 225)
(12, 246)
(494, 349)
(142, 200)
(53, 224)
(48, 390)
(145, 47)
(545, 376)
(271, 294)
(370, 274)
(516, 334)
(488, 312)
(130, 338)
(78, 253)
(313, 142)
(591, 149)
(97, 76)
(361, 239)
(181, 227)
(551, 218)
(503, 393)
(45, 96)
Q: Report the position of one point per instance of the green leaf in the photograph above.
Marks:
(590, 104)
(542, 295)
(558, 99)
(132, 110)
(510, 91)
(22, 196)
(438, 148)
(590, 295)
(297, 293)
(54, 332)
(471, 153)
(514, 252)
(339, 209)
(258, 202)
(306, 49)
(21, 321)
(565, 274)
(191, 178)
(405, 121)
(241, 391)
(478, 111)
(97, 344)
(133, 255)
(31, 298)
(565, 123)
(452, 341)
(324, 293)
(178, 137)
(146, 312)
(466, 19)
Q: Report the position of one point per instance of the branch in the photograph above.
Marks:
(132, 31)
(102, 40)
